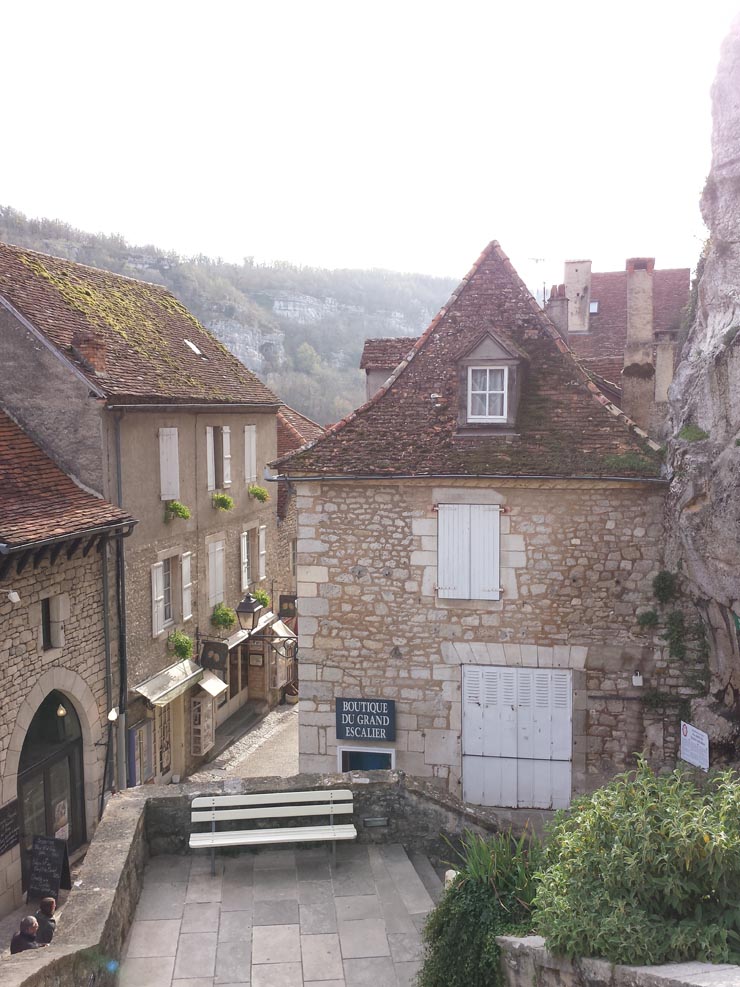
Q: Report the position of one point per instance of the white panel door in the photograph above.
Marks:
(517, 736)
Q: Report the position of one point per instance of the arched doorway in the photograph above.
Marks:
(51, 790)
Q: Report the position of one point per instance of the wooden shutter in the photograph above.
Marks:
(453, 551)
(250, 453)
(157, 599)
(210, 458)
(245, 560)
(484, 552)
(215, 572)
(187, 586)
(226, 451)
(169, 464)
(262, 543)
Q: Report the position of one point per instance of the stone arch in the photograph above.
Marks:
(74, 687)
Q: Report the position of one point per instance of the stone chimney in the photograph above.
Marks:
(578, 293)
(638, 376)
(557, 309)
(90, 348)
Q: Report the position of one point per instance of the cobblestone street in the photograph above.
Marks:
(270, 748)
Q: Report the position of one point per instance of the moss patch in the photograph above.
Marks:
(692, 433)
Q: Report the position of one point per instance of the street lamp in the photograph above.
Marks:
(248, 612)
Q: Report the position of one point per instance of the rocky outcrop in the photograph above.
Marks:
(704, 503)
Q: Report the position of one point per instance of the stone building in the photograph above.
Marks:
(474, 545)
(129, 394)
(59, 655)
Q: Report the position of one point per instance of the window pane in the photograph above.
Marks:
(478, 405)
(167, 584)
(496, 405)
(478, 380)
(496, 381)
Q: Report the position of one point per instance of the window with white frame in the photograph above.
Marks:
(487, 394)
(468, 564)
(169, 464)
(250, 453)
(215, 573)
(246, 571)
(262, 551)
(186, 580)
(218, 456)
(51, 615)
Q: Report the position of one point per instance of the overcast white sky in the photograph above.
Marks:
(391, 133)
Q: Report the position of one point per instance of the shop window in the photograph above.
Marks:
(365, 759)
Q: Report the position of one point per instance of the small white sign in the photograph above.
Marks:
(694, 746)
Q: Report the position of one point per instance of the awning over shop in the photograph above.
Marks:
(281, 630)
(212, 684)
(165, 686)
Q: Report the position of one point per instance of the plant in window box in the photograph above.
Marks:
(181, 644)
(173, 509)
(223, 617)
(222, 502)
(259, 493)
(263, 596)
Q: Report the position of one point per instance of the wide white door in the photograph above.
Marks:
(517, 736)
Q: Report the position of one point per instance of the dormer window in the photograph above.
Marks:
(487, 394)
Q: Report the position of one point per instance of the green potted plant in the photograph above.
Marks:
(181, 644)
(223, 617)
(173, 509)
(263, 596)
(222, 502)
(259, 493)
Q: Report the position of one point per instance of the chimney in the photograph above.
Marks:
(638, 376)
(578, 293)
(556, 308)
(90, 348)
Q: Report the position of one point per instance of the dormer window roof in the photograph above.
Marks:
(490, 372)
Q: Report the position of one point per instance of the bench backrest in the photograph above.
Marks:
(226, 808)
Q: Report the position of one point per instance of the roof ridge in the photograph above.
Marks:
(301, 415)
(87, 267)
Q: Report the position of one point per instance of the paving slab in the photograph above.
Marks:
(321, 956)
(371, 972)
(235, 926)
(196, 955)
(200, 916)
(158, 938)
(277, 975)
(281, 912)
(161, 901)
(276, 944)
(147, 971)
(233, 962)
(366, 937)
(318, 918)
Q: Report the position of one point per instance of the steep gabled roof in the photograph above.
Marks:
(385, 354)
(294, 430)
(39, 502)
(565, 425)
(139, 328)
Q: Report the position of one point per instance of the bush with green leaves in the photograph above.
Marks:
(181, 644)
(223, 616)
(259, 493)
(263, 596)
(222, 502)
(491, 896)
(646, 870)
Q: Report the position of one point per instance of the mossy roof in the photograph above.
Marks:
(141, 327)
(565, 426)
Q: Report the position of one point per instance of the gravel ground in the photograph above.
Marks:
(270, 748)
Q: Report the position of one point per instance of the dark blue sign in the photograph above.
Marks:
(366, 719)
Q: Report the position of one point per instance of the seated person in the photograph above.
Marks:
(26, 938)
(47, 922)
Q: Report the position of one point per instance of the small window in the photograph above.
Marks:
(167, 591)
(215, 573)
(187, 586)
(593, 308)
(250, 453)
(46, 642)
(262, 551)
(487, 394)
(218, 456)
(169, 464)
(365, 759)
(246, 571)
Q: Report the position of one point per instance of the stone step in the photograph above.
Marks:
(409, 885)
(427, 874)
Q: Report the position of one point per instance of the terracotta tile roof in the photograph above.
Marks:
(138, 328)
(565, 425)
(38, 501)
(294, 430)
(607, 332)
(385, 354)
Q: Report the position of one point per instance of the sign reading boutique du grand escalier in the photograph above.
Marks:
(366, 719)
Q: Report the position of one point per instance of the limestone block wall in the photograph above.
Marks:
(577, 563)
(28, 674)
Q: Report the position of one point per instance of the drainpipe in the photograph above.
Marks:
(108, 674)
(121, 614)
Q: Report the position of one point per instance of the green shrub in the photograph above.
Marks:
(665, 586)
(263, 596)
(222, 502)
(259, 493)
(692, 433)
(491, 896)
(181, 644)
(645, 870)
(173, 509)
(648, 618)
(675, 634)
(223, 616)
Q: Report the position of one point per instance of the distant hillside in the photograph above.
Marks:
(300, 328)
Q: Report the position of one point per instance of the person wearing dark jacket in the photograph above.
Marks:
(26, 938)
(47, 922)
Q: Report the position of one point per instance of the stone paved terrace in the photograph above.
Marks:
(279, 918)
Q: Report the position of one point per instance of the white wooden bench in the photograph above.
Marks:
(216, 810)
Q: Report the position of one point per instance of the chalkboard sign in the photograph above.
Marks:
(10, 835)
(49, 868)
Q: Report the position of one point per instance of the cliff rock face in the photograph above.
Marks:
(704, 505)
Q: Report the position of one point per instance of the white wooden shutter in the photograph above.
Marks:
(226, 446)
(453, 551)
(250, 453)
(157, 599)
(187, 586)
(215, 573)
(262, 543)
(484, 552)
(245, 560)
(169, 464)
(210, 458)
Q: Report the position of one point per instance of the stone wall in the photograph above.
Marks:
(28, 674)
(577, 563)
